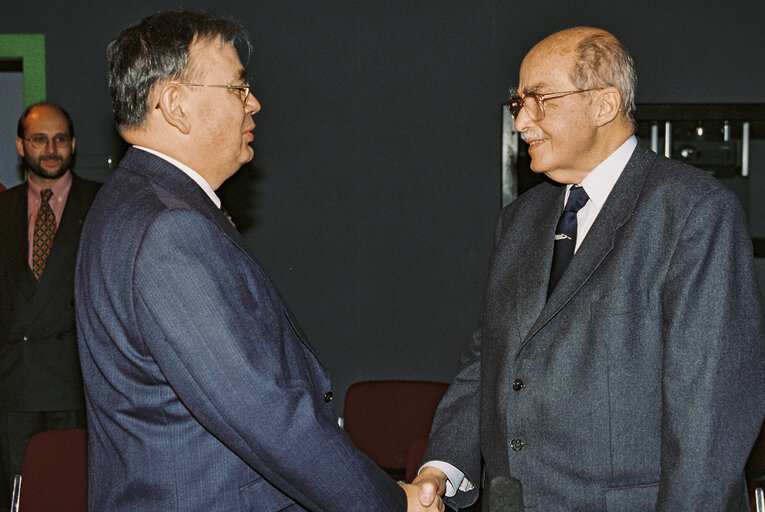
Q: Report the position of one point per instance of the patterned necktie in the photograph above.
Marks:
(565, 235)
(228, 216)
(45, 231)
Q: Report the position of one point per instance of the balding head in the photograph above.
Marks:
(574, 102)
(597, 59)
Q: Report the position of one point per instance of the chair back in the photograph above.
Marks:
(384, 418)
(54, 474)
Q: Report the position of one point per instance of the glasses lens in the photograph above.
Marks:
(61, 141)
(533, 106)
(246, 90)
(514, 105)
(38, 141)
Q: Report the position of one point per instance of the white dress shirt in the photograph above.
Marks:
(199, 180)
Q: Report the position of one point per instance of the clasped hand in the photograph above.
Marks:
(424, 493)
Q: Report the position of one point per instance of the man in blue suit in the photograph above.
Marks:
(619, 362)
(201, 392)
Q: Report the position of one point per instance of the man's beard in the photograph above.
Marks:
(35, 166)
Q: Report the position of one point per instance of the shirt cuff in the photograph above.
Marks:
(455, 479)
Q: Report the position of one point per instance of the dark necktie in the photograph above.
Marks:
(45, 231)
(228, 216)
(565, 235)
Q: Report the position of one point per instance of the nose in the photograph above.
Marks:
(251, 105)
(50, 147)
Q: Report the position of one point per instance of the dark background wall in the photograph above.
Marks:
(376, 181)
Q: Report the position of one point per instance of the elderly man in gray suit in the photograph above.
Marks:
(619, 359)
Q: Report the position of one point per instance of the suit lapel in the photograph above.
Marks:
(68, 232)
(600, 239)
(179, 183)
(16, 245)
(536, 250)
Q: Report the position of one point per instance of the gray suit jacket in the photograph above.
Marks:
(202, 395)
(640, 383)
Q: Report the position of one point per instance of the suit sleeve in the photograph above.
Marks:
(713, 384)
(216, 328)
(456, 434)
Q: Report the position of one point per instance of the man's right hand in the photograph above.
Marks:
(414, 500)
(431, 485)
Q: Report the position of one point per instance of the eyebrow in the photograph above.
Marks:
(46, 134)
(533, 88)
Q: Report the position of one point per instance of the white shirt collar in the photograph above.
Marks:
(601, 180)
(199, 180)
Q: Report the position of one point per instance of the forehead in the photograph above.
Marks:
(45, 119)
(215, 59)
(546, 68)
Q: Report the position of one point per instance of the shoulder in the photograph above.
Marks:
(11, 198)
(681, 187)
(85, 186)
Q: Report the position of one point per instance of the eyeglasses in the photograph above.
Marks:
(243, 90)
(41, 141)
(535, 103)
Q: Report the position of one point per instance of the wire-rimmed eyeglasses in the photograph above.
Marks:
(39, 141)
(243, 90)
(535, 102)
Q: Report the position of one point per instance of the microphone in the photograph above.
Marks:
(505, 494)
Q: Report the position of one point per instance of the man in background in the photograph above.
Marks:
(40, 224)
(201, 392)
(618, 362)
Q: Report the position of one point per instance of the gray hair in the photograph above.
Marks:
(602, 61)
(157, 49)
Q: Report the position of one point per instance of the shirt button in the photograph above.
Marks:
(328, 396)
(518, 384)
(516, 444)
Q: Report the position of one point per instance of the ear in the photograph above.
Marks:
(170, 103)
(74, 143)
(20, 147)
(607, 106)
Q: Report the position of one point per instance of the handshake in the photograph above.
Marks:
(425, 491)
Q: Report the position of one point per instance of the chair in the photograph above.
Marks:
(384, 418)
(54, 474)
(414, 458)
(755, 469)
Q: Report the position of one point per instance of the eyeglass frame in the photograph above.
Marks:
(243, 90)
(59, 141)
(540, 99)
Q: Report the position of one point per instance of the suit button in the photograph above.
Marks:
(26, 338)
(328, 396)
(518, 384)
(516, 444)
